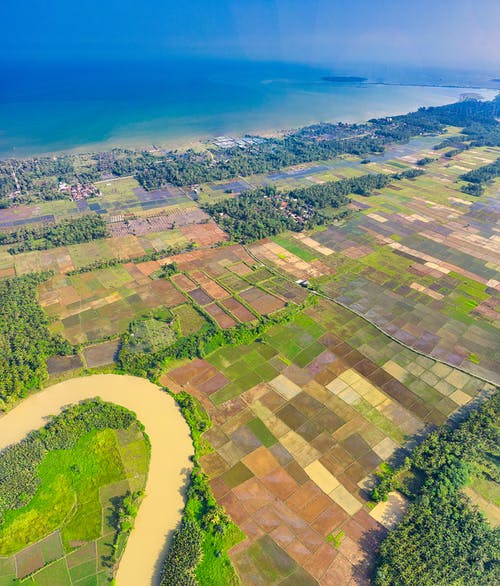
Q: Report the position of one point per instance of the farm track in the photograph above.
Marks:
(377, 327)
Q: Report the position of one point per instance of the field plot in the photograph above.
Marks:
(102, 303)
(301, 421)
(90, 306)
(156, 222)
(71, 523)
(190, 320)
(228, 275)
(101, 354)
(59, 364)
(422, 262)
(69, 258)
(123, 195)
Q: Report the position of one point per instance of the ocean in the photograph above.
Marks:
(47, 108)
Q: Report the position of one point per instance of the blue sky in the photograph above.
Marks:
(454, 33)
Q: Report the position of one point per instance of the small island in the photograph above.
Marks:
(344, 78)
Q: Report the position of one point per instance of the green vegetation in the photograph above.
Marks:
(198, 554)
(27, 180)
(443, 539)
(266, 211)
(19, 463)
(425, 161)
(58, 484)
(200, 343)
(335, 539)
(151, 335)
(477, 178)
(25, 340)
(66, 477)
(73, 231)
(166, 271)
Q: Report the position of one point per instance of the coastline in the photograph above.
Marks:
(133, 136)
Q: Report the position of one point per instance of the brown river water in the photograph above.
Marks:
(171, 448)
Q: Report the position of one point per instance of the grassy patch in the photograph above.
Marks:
(335, 538)
(83, 465)
(292, 246)
(262, 432)
(68, 494)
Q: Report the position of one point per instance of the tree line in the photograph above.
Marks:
(70, 231)
(205, 528)
(478, 178)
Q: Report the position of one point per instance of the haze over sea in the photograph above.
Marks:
(46, 108)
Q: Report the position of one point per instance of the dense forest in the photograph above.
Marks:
(443, 538)
(19, 478)
(25, 340)
(72, 231)
(38, 177)
(266, 211)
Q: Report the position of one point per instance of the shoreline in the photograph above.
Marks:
(162, 507)
(184, 142)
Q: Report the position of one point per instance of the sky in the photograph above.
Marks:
(451, 33)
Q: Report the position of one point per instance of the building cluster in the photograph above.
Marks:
(80, 191)
(228, 142)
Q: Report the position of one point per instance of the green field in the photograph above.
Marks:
(68, 532)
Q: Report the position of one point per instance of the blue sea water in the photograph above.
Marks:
(50, 107)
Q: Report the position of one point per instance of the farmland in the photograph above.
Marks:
(372, 331)
(68, 532)
(302, 421)
(93, 305)
(419, 260)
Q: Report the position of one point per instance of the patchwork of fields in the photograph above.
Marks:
(422, 263)
(304, 417)
(302, 421)
(221, 283)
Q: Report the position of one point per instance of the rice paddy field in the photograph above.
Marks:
(66, 534)
(119, 197)
(302, 421)
(420, 259)
(402, 336)
(220, 284)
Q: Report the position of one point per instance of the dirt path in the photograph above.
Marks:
(171, 447)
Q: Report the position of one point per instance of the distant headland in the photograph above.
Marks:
(344, 78)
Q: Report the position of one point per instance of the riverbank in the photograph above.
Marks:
(170, 465)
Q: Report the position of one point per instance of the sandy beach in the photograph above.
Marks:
(171, 448)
